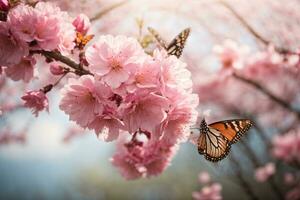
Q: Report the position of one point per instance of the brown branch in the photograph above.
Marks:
(238, 172)
(107, 10)
(257, 163)
(244, 23)
(265, 91)
(260, 38)
(59, 57)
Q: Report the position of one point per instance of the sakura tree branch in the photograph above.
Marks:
(252, 30)
(107, 10)
(265, 91)
(241, 179)
(59, 57)
(254, 159)
(245, 23)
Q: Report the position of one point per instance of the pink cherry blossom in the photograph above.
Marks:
(22, 20)
(82, 23)
(8, 138)
(263, 173)
(73, 132)
(12, 49)
(287, 147)
(181, 116)
(204, 177)
(212, 192)
(137, 159)
(56, 69)
(112, 58)
(22, 71)
(147, 76)
(44, 26)
(231, 54)
(289, 178)
(36, 100)
(173, 71)
(146, 112)
(107, 127)
(81, 100)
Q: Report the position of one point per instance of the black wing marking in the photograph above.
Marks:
(156, 35)
(176, 45)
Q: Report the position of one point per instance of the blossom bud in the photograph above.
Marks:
(56, 69)
(82, 24)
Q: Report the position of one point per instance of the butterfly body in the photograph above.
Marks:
(215, 139)
(176, 45)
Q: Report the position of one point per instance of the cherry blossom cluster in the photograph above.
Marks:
(146, 98)
(287, 147)
(265, 172)
(27, 29)
(210, 190)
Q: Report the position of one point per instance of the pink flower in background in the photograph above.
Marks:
(72, 133)
(36, 100)
(289, 178)
(81, 100)
(22, 20)
(112, 58)
(56, 69)
(212, 192)
(22, 71)
(264, 63)
(204, 177)
(12, 50)
(82, 24)
(287, 147)
(293, 194)
(231, 54)
(263, 173)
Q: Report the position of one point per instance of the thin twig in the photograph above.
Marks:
(107, 10)
(265, 91)
(59, 57)
(256, 163)
(241, 179)
(244, 23)
(252, 30)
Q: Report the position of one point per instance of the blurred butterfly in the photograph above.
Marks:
(176, 45)
(82, 40)
(215, 139)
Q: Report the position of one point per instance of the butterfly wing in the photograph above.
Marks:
(177, 44)
(157, 37)
(232, 130)
(213, 145)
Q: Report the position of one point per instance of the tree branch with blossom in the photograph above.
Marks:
(265, 91)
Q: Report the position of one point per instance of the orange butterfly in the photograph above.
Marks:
(215, 139)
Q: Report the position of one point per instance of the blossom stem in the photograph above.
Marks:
(264, 90)
(59, 57)
(241, 179)
(257, 164)
(107, 10)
